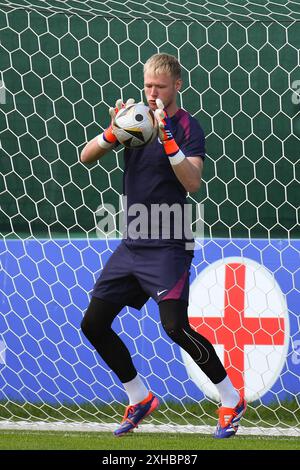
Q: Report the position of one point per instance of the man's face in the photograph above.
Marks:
(161, 86)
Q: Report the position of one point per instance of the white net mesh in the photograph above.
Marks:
(201, 10)
(62, 65)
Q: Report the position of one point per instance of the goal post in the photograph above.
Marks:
(62, 64)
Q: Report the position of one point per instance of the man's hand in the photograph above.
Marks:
(164, 129)
(171, 148)
(118, 106)
(103, 143)
(107, 139)
(163, 121)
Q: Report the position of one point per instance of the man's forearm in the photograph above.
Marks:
(189, 173)
(104, 142)
(92, 151)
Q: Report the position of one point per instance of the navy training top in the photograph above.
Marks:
(150, 180)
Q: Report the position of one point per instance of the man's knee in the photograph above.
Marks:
(173, 315)
(172, 328)
(98, 317)
(88, 321)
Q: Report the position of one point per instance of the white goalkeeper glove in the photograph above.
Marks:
(107, 139)
(171, 148)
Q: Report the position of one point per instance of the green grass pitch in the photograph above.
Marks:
(56, 440)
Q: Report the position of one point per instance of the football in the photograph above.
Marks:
(135, 126)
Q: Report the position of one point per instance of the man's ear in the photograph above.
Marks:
(178, 84)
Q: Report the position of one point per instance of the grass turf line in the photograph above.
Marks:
(44, 440)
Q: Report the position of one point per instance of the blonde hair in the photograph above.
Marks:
(163, 63)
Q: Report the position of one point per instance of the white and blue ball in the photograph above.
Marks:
(135, 126)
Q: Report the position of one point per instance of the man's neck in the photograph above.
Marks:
(172, 110)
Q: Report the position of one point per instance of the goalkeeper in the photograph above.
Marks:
(145, 266)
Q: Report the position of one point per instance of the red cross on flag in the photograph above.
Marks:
(239, 307)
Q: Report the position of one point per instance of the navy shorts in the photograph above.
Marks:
(134, 273)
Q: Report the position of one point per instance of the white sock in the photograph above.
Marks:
(136, 390)
(228, 394)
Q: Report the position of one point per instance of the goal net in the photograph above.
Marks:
(62, 64)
